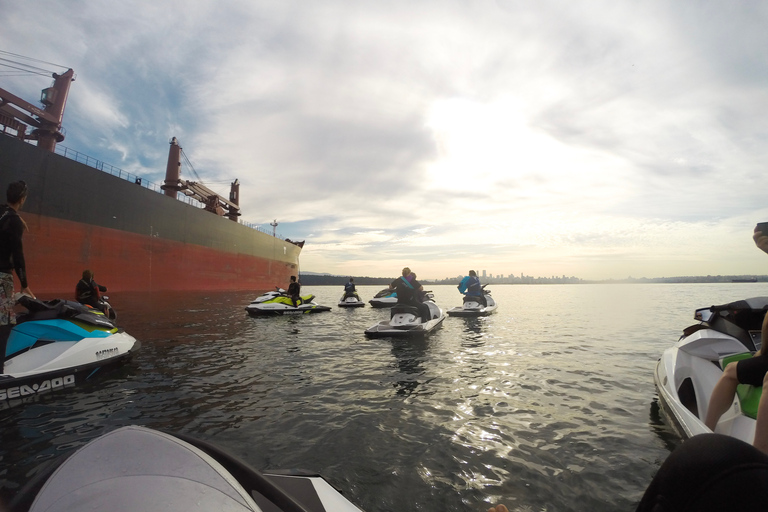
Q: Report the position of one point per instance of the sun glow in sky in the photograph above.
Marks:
(599, 139)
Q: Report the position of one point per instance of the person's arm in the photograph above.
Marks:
(101, 288)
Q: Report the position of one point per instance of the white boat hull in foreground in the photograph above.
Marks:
(687, 372)
(136, 468)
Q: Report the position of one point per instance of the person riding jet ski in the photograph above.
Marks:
(471, 287)
(87, 291)
(408, 292)
(349, 288)
(294, 291)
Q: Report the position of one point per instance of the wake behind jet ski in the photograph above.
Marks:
(688, 371)
(277, 302)
(137, 468)
(57, 344)
(474, 305)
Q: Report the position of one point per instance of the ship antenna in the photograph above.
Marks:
(274, 227)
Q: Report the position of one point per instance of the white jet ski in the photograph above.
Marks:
(405, 321)
(277, 302)
(473, 306)
(688, 371)
(135, 468)
(351, 301)
(58, 344)
(386, 298)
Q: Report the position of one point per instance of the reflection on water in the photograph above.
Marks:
(410, 355)
(543, 405)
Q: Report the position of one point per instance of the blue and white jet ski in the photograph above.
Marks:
(386, 298)
(406, 321)
(135, 468)
(277, 302)
(58, 344)
(688, 371)
(474, 307)
(351, 300)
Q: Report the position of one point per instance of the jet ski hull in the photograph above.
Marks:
(404, 322)
(273, 310)
(60, 344)
(473, 307)
(277, 303)
(136, 468)
(15, 385)
(687, 372)
(351, 302)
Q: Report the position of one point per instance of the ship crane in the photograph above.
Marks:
(213, 202)
(17, 114)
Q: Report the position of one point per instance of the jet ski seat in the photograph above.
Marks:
(404, 308)
(749, 396)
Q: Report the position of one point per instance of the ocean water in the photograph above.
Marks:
(547, 405)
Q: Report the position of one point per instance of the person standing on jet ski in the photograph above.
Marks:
(294, 291)
(11, 259)
(349, 288)
(408, 293)
(471, 287)
(87, 291)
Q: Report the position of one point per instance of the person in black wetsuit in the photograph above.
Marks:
(294, 291)
(408, 290)
(11, 259)
(87, 291)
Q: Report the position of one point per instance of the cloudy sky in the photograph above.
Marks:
(597, 139)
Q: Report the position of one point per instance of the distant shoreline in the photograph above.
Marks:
(314, 279)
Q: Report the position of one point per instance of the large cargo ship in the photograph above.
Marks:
(131, 234)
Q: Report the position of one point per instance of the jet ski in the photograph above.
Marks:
(688, 371)
(406, 321)
(277, 302)
(351, 301)
(386, 298)
(137, 468)
(57, 344)
(474, 307)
